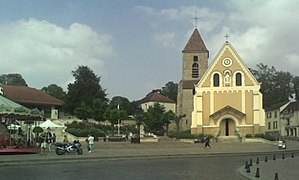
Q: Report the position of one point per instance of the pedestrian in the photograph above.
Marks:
(43, 143)
(207, 142)
(90, 143)
(54, 138)
(65, 140)
(86, 140)
(49, 138)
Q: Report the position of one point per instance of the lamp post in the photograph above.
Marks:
(118, 121)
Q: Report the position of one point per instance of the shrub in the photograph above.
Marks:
(187, 135)
(248, 135)
(270, 137)
(259, 135)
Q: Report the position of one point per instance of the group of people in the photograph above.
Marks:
(46, 139)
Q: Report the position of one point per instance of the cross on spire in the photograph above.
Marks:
(226, 37)
(196, 18)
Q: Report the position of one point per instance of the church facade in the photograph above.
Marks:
(225, 98)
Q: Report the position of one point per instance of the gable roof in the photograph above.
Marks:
(228, 108)
(156, 97)
(27, 95)
(189, 84)
(216, 58)
(195, 43)
(294, 106)
(277, 106)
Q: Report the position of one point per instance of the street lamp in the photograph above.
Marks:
(118, 121)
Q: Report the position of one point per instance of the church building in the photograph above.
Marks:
(223, 99)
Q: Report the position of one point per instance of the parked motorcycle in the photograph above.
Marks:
(62, 148)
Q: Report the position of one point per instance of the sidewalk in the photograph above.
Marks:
(169, 148)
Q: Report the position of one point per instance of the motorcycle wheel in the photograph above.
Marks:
(79, 151)
(59, 151)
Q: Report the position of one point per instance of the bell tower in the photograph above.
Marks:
(195, 63)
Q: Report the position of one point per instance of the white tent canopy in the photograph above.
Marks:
(49, 124)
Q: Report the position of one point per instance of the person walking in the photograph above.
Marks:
(207, 142)
(90, 143)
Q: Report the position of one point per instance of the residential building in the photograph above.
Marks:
(34, 98)
(274, 124)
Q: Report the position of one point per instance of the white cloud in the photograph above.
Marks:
(44, 53)
(166, 39)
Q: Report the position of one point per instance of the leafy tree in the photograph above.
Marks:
(276, 86)
(13, 79)
(99, 107)
(83, 111)
(295, 86)
(86, 88)
(55, 91)
(170, 90)
(134, 107)
(168, 117)
(122, 102)
(115, 115)
(139, 118)
(177, 120)
(154, 118)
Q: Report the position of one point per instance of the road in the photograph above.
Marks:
(173, 168)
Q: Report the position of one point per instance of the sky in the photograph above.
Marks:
(135, 46)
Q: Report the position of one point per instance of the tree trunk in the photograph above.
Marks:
(177, 126)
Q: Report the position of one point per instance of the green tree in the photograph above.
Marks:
(55, 91)
(13, 79)
(295, 86)
(168, 117)
(154, 118)
(276, 85)
(170, 90)
(114, 115)
(99, 107)
(177, 120)
(85, 89)
(83, 111)
(121, 102)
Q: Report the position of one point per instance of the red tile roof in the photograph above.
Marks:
(195, 43)
(27, 95)
(156, 97)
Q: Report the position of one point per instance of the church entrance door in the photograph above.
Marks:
(227, 127)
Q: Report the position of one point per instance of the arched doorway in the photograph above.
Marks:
(227, 127)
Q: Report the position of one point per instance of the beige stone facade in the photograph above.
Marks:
(227, 100)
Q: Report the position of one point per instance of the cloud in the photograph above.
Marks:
(166, 39)
(44, 53)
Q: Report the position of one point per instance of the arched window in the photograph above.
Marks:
(195, 58)
(195, 70)
(238, 79)
(216, 80)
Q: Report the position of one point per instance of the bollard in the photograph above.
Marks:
(248, 169)
(257, 174)
(257, 160)
(276, 176)
(283, 156)
(246, 164)
(250, 162)
(292, 155)
(266, 158)
(274, 157)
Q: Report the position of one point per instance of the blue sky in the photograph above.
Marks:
(135, 45)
